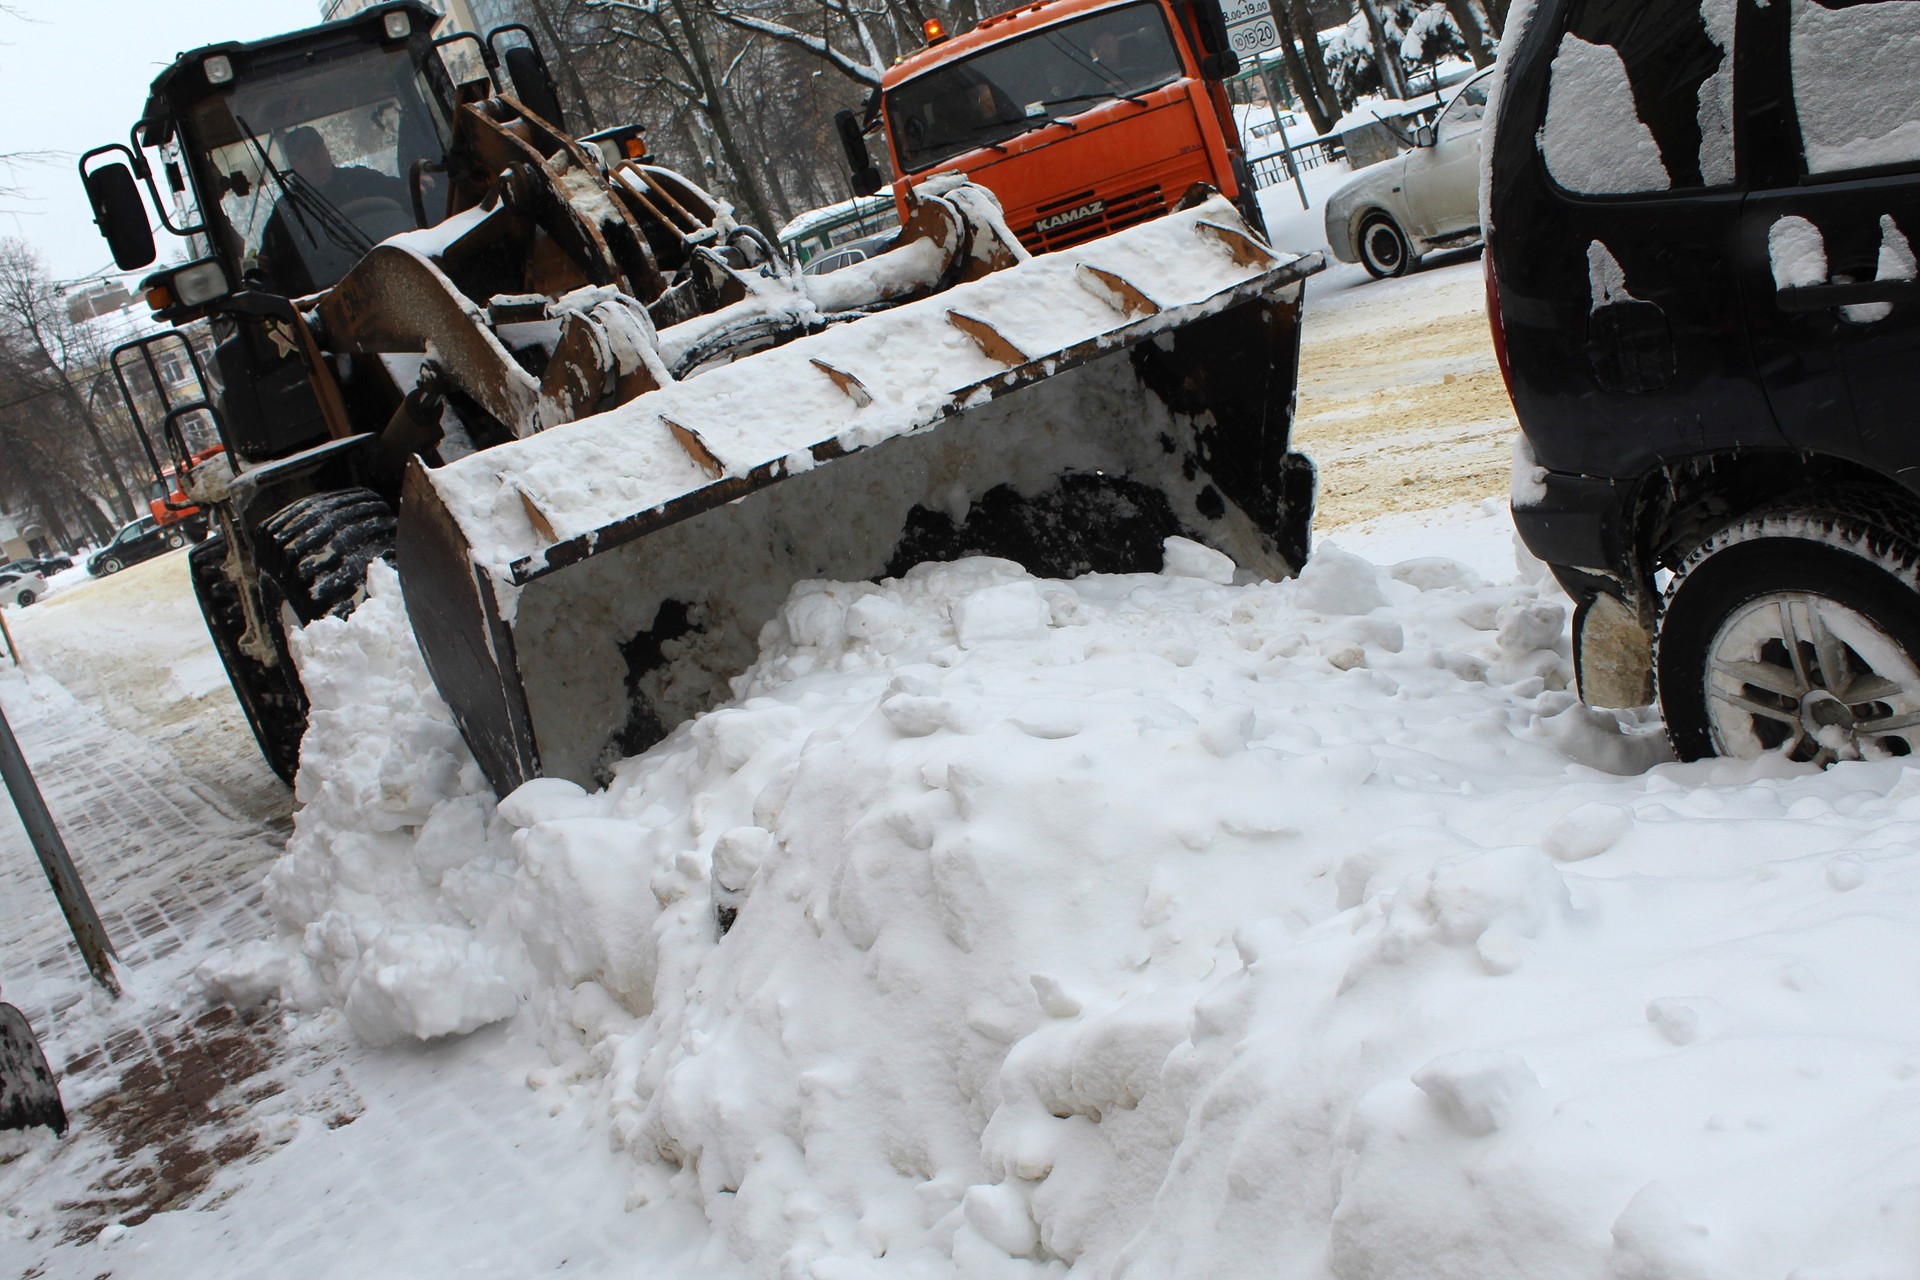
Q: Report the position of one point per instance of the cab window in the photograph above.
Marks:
(1053, 73)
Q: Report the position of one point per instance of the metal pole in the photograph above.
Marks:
(1293, 166)
(88, 933)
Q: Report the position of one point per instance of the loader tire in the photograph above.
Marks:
(320, 547)
(271, 697)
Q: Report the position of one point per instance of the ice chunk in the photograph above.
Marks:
(1587, 831)
(425, 981)
(1009, 611)
(1477, 1090)
(546, 799)
(1186, 558)
(1339, 583)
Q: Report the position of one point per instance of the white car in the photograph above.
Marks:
(1389, 214)
(21, 586)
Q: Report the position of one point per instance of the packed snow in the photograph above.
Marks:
(1154, 925)
(1796, 253)
(1593, 140)
(1853, 85)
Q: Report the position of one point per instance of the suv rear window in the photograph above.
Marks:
(1641, 98)
(1854, 84)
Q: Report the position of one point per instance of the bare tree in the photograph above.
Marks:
(689, 62)
(59, 358)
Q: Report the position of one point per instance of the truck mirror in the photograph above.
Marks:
(120, 214)
(847, 125)
(533, 86)
(1220, 66)
(866, 174)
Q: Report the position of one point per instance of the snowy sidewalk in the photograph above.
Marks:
(208, 1143)
(160, 1096)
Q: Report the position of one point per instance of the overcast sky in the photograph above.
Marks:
(73, 75)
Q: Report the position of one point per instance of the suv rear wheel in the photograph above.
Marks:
(1384, 249)
(1796, 631)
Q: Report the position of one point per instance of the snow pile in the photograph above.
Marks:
(1157, 926)
(389, 878)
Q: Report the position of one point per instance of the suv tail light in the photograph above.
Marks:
(1495, 321)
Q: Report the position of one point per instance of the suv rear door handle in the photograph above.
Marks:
(1818, 297)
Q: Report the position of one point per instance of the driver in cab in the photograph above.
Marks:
(327, 216)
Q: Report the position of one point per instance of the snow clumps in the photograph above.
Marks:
(1154, 926)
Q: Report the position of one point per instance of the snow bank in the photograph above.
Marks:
(1156, 926)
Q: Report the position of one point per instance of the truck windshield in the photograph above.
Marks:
(1049, 74)
(313, 168)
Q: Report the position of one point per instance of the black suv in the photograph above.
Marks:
(1702, 282)
(143, 539)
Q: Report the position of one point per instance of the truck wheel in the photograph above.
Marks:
(321, 547)
(1384, 250)
(271, 697)
(1796, 631)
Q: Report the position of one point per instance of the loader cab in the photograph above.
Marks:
(280, 162)
(1082, 116)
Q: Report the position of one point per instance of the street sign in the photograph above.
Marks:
(1251, 29)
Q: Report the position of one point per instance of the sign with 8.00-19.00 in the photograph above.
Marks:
(1251, 29)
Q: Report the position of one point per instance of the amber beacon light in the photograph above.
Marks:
(936, 30)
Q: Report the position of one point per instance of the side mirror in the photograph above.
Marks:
(120, 214)
(1218, 60)
(533, 86)
(1423, 136)
(866, 174)
(1220, 66)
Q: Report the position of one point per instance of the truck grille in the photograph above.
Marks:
(1113, 214)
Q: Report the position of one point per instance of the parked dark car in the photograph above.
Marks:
(52, 563)
(142, 539)
(1704, 294)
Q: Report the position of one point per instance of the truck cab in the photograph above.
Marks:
(1082, 116)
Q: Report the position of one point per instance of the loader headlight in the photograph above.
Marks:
(218, 69)
(172, 294)
(399, 26)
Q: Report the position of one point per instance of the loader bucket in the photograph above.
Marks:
(580, 592)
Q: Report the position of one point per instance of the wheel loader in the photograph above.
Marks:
(601, 427)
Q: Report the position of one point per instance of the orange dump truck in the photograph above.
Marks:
(1082, 116)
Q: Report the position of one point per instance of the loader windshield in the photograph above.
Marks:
(312, 168)
(1049, 74)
